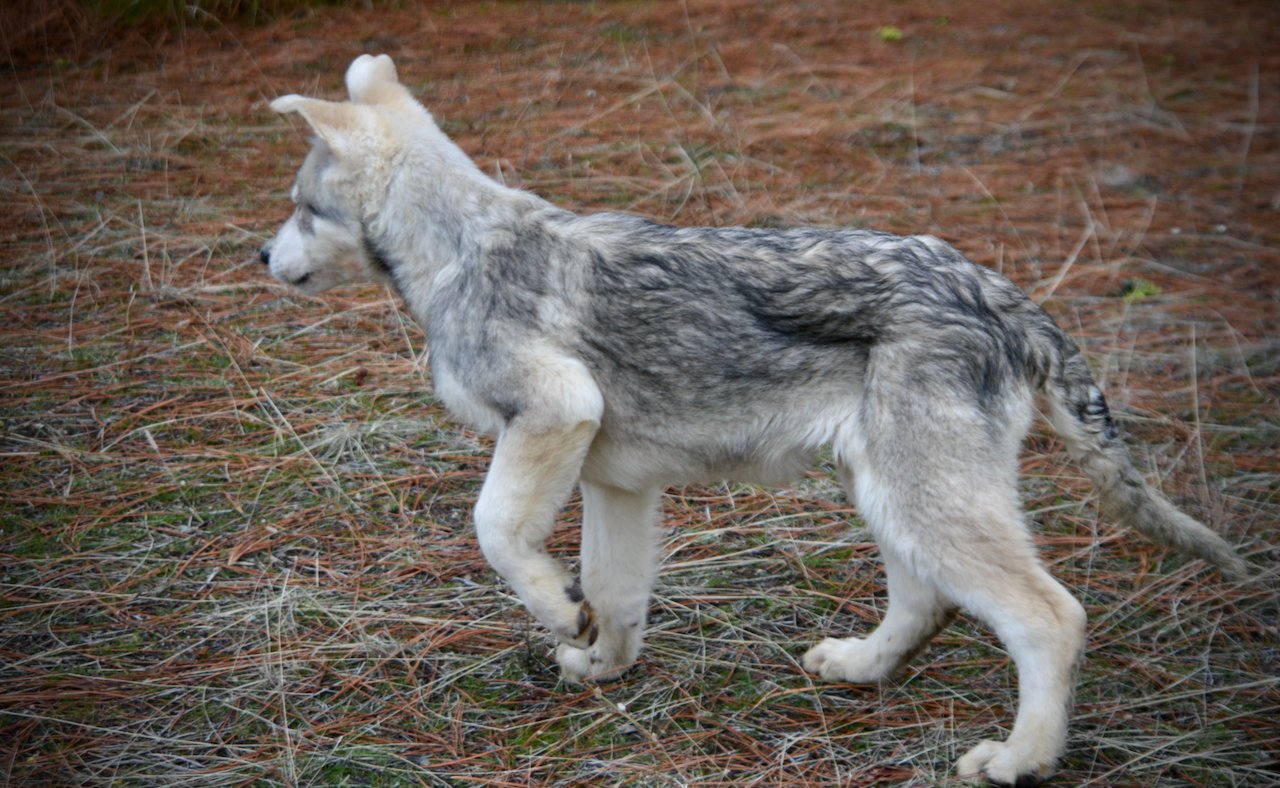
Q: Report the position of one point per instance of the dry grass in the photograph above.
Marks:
(234, 524)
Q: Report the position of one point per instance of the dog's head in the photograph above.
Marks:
(341, 181)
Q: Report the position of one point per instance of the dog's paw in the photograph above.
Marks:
(584, 630)
(1001, 764)
(611, 653)
(588, 665)
(577, 625)
(849, 660)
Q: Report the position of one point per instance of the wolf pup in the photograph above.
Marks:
(619, 355)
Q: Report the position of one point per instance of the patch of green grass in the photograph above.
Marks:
(889, 34)
(1137, 289)
(621, 33)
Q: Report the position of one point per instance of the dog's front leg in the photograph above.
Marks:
(532, 473)
(619, 564)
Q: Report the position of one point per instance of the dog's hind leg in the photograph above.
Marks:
(917, 612)
(968, 536)
(1043, 628)
(532, 473)
(936, 481)
(980, 559)
(619, 564)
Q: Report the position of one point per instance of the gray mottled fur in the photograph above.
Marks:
(620, 355)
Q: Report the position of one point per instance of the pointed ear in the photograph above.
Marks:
(335, 123)
(373, 80)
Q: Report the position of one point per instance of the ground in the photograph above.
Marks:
(234, 525)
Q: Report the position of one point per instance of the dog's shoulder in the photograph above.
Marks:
(495, 316)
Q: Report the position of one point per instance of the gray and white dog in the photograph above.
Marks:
(619, 355)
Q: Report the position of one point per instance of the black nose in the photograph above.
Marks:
(265, 256)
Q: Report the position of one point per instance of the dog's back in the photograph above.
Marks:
(738, 352)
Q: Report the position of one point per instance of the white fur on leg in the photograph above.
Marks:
(619, 564)
(1004, 763)
(916, 613)
(531, 475)
(1042, 626)
(849, 659)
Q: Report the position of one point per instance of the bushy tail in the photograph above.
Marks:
(1079, 413)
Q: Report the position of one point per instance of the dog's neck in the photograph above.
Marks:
(440, 210)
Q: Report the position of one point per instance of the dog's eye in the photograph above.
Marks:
(311, 208)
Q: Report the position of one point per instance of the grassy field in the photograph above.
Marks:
(235, 545)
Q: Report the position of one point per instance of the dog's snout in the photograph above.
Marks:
(265, 255)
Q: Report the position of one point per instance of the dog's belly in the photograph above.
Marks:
(770, 438)
(637, 463)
